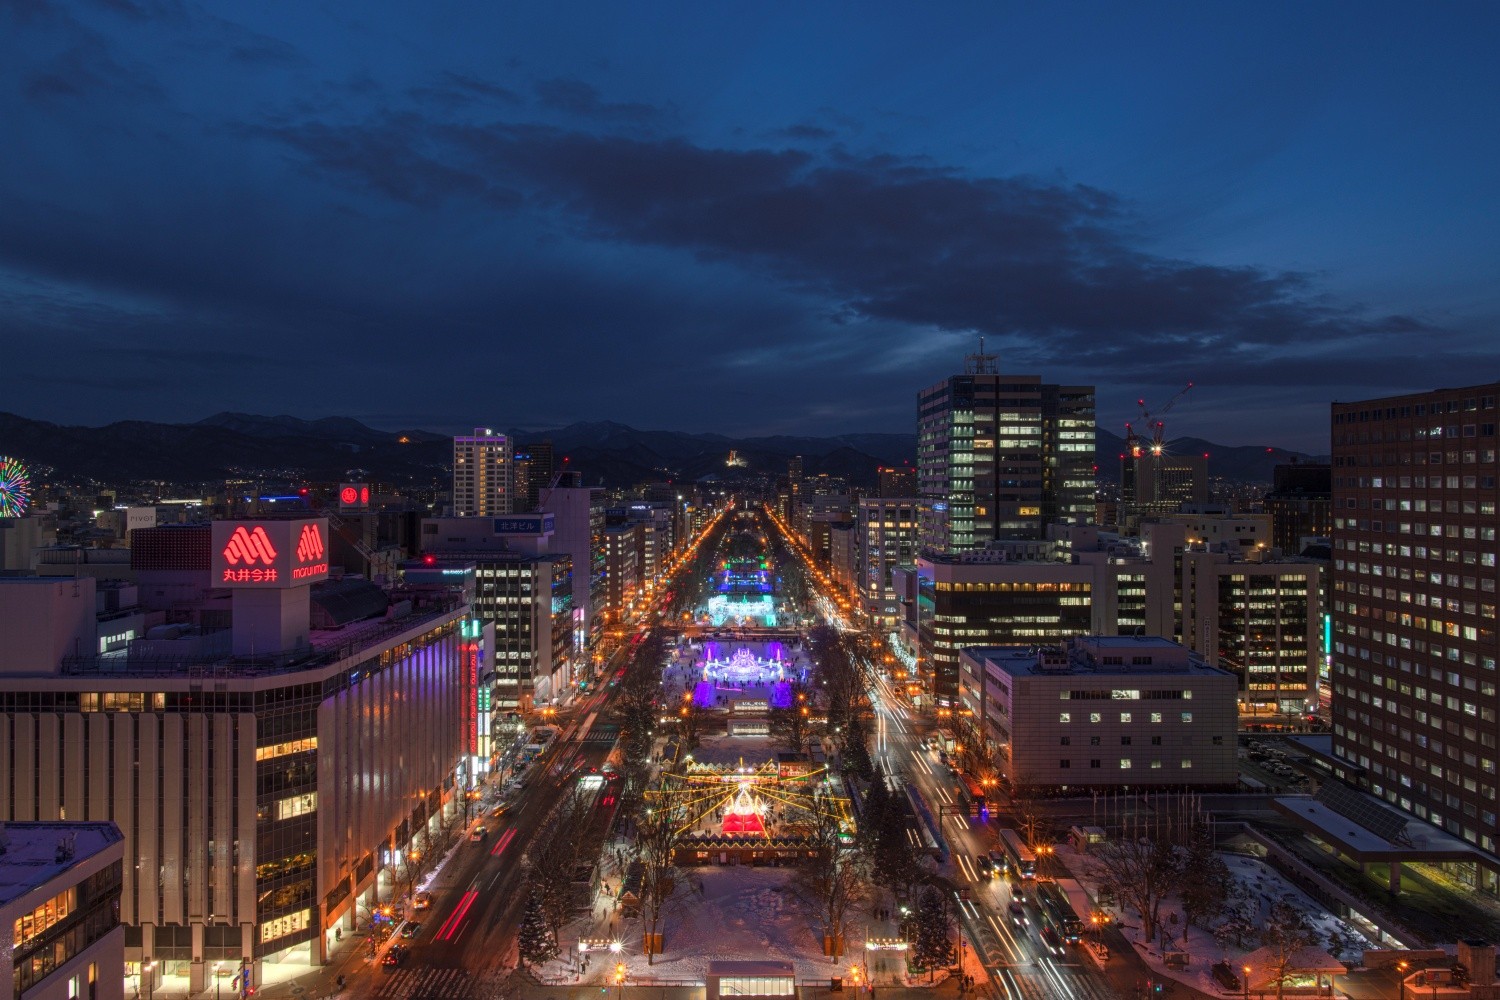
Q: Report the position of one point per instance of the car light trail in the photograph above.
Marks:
(503, 843)
(449, 930)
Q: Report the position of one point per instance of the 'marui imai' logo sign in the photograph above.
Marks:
(249, 547)
(273, 554)
(310, 545)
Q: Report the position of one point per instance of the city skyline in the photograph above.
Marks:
(210, 200)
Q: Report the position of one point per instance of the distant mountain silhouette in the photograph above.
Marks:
(231, 445)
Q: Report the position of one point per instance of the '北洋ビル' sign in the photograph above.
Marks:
(531, 524)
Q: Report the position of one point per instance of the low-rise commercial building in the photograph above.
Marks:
(1105, 712)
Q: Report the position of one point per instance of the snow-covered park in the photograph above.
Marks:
(1255, 888)
(735, 914)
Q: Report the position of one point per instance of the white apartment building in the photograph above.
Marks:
(484, 474)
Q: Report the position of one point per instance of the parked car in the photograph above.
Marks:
(411, 930)
(423, 901)
(395, 957)
(478, 835)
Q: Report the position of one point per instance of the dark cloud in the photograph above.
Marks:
(452, 90)
(805, 132)
(393, 225)
(394, 163)
(575, 97)
(885, 238)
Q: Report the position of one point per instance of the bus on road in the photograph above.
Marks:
(1017, 855)
(1058, 913)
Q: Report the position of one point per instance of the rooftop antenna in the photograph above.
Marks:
(981, 363)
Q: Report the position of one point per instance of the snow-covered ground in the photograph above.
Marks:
(1256, 887)
(740, 914)
(752, 750)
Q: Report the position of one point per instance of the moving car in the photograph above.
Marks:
(984, 866)
(478, 835)
(1018, 913)
(411, 930)
(423, 901)
(395, 957)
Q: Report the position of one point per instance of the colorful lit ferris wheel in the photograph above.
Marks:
(15, 487)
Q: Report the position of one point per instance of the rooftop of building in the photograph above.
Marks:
(1080, 657)
(325, 647)
(764, 969)
(33, 854)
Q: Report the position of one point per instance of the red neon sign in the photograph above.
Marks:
(310, 545)
(349, 495)
(250, 547)
(469, 693)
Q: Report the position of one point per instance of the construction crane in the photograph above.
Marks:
(544, 496)
(1156, 429)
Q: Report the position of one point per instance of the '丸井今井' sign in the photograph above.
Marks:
(270, 553)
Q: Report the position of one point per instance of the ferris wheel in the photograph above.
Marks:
(15, 487)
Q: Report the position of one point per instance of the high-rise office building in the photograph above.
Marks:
(1261, 621)
(898, 481)
(535, 466)
(1152, 484)
(1300, 505)
(885, 538)
(999, 457)
(483, 474)
(1414, 702)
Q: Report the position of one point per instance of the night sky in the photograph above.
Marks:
(744, 218)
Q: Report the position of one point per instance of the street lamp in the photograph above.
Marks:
(218, 981)
(150, 968)
(1246, 970)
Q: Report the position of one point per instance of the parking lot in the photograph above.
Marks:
(1269, 761)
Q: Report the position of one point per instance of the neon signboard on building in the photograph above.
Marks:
(531, 524)
(270, 554)
(354, 496)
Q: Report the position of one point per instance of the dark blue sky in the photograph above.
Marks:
(776, 218)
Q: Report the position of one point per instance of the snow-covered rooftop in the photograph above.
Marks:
(36, 853)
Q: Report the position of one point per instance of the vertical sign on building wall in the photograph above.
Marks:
(470, 694)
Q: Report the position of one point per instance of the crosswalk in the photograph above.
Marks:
(603, 733)
(1035, 983)
(425, 984)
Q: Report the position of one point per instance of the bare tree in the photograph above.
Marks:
(1140, 873)
(560, 846)
(791, 726)
(657, 836)
(1285, 932)
(836, 877)
(691, 719)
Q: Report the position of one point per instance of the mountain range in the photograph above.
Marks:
(232, 445)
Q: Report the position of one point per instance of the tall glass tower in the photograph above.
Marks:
(1001, 457)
